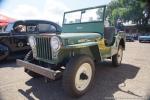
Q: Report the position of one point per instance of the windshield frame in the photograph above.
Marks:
(80, 10)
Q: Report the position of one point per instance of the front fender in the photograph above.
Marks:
(88, 48)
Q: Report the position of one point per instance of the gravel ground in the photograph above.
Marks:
(130, 81)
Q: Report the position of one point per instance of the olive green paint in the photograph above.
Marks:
(91, 27)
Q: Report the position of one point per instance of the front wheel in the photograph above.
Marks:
(117, 58)
(78, 75)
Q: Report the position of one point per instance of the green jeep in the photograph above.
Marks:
(73, 53)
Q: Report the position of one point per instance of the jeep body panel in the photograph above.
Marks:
(72, 44)
(91, 44)
(80, 27)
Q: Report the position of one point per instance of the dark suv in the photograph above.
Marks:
(129, 38)
(14, 40)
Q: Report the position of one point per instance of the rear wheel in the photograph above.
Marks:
(78, 75)
(28, 58)
(117, 58)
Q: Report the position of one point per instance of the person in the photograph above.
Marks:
(119, 25)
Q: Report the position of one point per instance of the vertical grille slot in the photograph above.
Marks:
(43, 47)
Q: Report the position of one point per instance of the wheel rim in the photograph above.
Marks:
(83, 77)
(120, 54)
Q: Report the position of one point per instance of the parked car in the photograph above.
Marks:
(73, 53)
(129, 38)
(145, 38)
(15, 38)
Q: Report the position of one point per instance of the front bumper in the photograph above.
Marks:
(51, 74)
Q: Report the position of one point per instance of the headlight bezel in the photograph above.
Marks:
(32, 41)
(56, 43)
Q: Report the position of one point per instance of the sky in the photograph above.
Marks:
(45, 9)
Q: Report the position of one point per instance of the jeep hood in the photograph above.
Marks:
(78, 38)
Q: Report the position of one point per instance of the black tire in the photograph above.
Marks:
(4, 56)
(29, 57)
(70, 73)
(115, 58)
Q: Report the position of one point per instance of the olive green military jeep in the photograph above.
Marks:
(72, 54)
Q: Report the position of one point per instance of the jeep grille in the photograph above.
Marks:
(43, 48)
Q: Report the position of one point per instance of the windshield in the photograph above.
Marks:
(9, 27)
(88, 15)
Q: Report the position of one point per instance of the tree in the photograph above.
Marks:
(126, 10)
(112, 5)
(146, 11)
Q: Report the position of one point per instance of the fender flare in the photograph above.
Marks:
(93, 48)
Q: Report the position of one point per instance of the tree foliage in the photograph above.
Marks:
(128, 10)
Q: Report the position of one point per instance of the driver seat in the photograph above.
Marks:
(109, 33)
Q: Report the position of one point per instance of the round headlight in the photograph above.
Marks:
(32, 41)
(55, 43)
